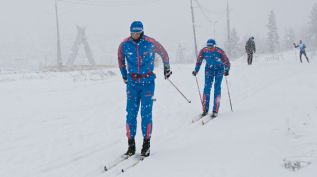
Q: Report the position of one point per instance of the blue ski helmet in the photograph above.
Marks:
(211, 42)
(136, 27)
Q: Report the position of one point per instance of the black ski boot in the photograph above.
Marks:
(145, 151)
(131, 149)
(204, 114)
(214, 115)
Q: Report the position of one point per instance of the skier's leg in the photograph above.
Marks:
(147, 94)
(248, 59)
(300, 56)
(207, 88)
(251, 58)
(133, 104)
(146, 114)
(217, 94)
(306, 57)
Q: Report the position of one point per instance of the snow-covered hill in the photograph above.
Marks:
(72, 124)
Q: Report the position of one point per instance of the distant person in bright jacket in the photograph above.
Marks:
(250, 49)
(302, 51)
(136, 56)
(217, 65)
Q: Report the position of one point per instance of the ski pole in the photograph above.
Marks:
(229, 93)
(179, 91)
(201, 101)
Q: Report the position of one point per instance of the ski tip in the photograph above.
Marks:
(125, 156)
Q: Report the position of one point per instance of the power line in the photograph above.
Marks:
(111, 3)
(206, 11)
(212, 22)
(202, 11)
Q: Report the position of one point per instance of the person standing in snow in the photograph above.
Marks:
(138, 52)
(250, 49)
(217, 65)
(302, 51)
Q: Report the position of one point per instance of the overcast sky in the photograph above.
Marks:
(28, 26)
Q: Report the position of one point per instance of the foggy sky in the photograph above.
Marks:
(28, 28)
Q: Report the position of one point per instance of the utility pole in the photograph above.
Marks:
(59, 52)
(194, 30)
(228, 29)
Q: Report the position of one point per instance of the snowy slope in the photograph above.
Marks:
(71, 124)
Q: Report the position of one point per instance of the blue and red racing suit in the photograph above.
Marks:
(217, 63)
(139, 75)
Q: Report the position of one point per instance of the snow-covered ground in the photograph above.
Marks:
(72, 124)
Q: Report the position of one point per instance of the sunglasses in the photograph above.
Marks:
(135, 33)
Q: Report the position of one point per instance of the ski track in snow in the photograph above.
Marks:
(71, 124)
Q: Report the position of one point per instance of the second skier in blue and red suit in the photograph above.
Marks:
(217, 65)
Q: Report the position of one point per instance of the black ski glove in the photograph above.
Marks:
(167, 73)
(194, 73)
(226, 73)
(125, 80)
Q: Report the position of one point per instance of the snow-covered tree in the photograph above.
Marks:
(236, 48)
(272, 36)
(313, 26)
(289, 39)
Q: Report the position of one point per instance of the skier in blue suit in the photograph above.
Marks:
(302, 50)
(136, 56)
(217, 65)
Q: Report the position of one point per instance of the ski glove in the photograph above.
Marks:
(194, 73)
(226, 73)
(167, 73)
(125, 80)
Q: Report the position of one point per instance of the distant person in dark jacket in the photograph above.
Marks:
(250, 49)
(302, 51)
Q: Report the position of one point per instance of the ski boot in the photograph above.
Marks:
(214, 115)
(204, 114)
(145, 151)
(131, 148)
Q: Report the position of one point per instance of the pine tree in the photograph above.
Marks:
(289, 39)
(236, 50)
(313, 26)
(273, 37)
(180, 54)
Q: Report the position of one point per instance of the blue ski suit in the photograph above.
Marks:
(217, 63)
(139, 78)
